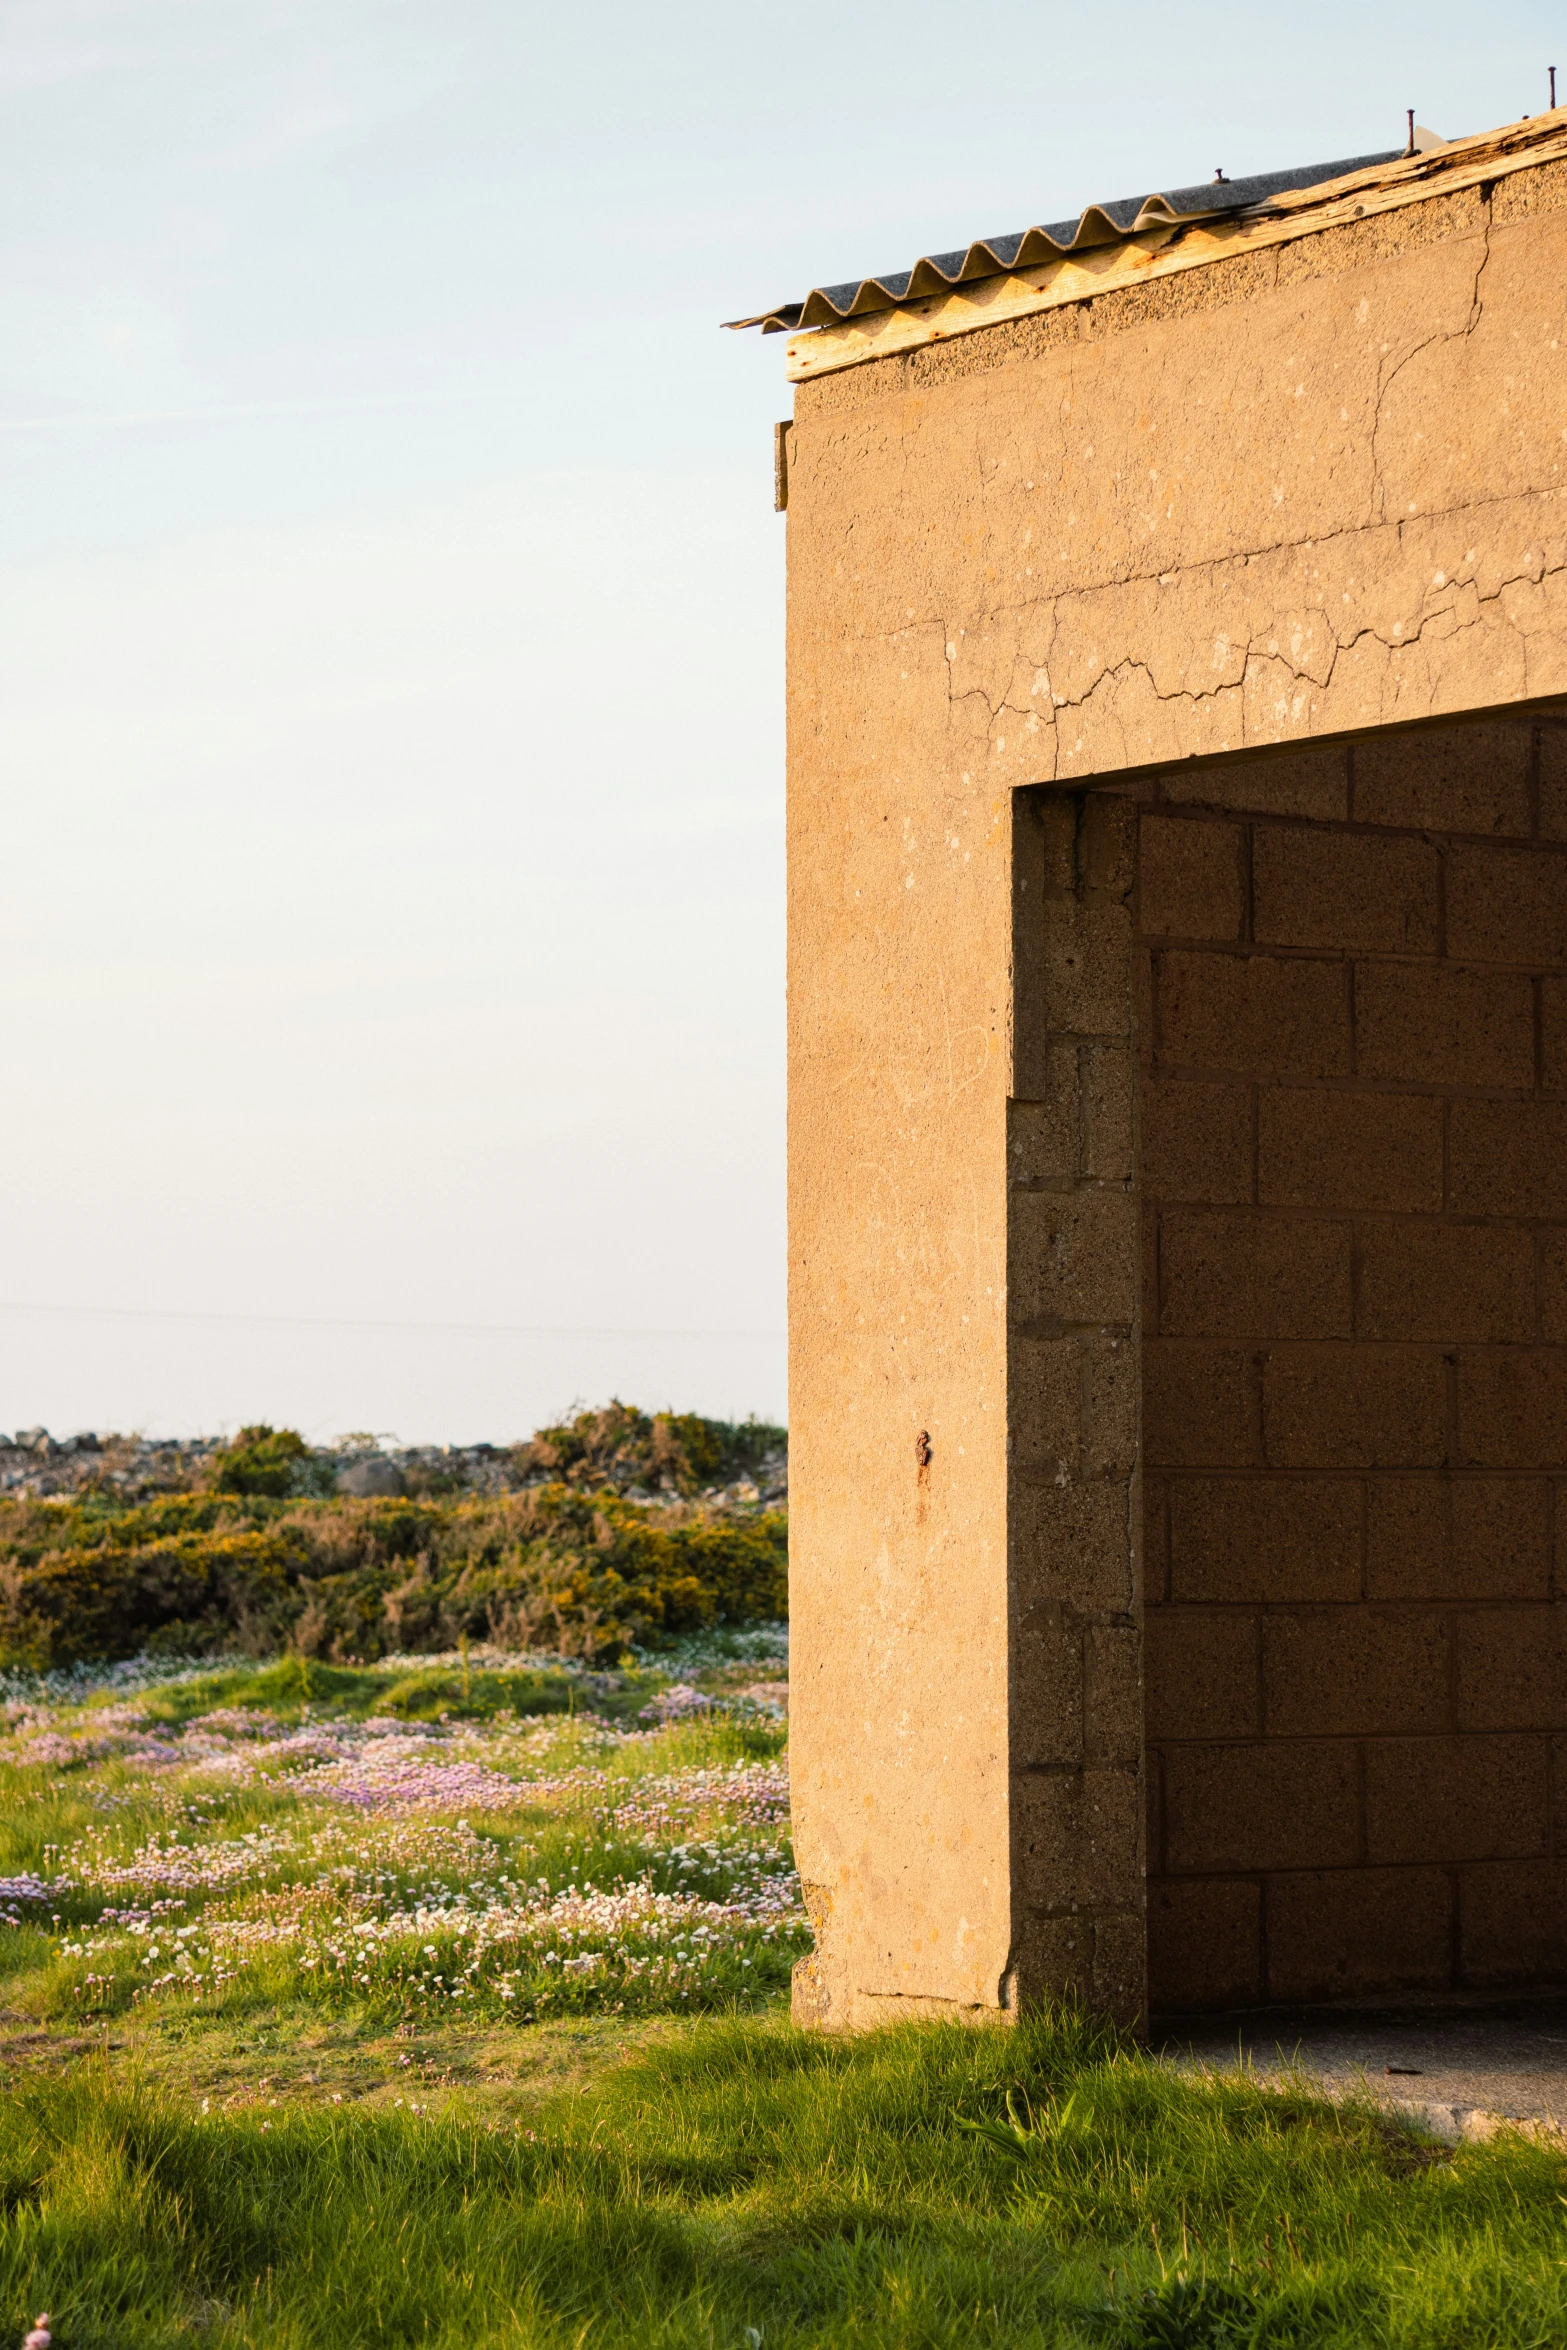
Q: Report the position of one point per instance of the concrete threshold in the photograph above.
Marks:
(1461, 2074)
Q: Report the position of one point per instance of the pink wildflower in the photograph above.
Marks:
(39, 2338)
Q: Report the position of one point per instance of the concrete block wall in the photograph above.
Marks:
(1353, 1173)
(1074, 1698)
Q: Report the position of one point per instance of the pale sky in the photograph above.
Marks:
(391, 939)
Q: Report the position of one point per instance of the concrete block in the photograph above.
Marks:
(1362, 1407)
(1244, 1274)
(1553, 782)
(1072, 1542)
(1507, 1158)
(1200, 1405)
(1450, 1799)
(1242, 1540)
(1354, 1671)
(1355, 891)
(1354, 1933)
(1106, 1079)
(1471, 779)
(1073, 1257)
(1445, 1281)
(1196, 1140)
(1079, 1839)
(1107, 845)
(1204, 1944)
(1053, 1958)
(1156, 1547)
(1074, 1406)
(1201, 1670)
(1047, 848)
(1044, 1136)
(1408, 1540)
(1443, 1024)
(1113, 1693)
(1045, 1403)
(1190, 879)
(1120, 1962)
(1513, 1923)
(1256, 1013)
(1313, 782)
(1153, 1810)
(1553, 1035)
(1553, 1287)
(1512, 1407)
(1046, 1695)
(1501, 1538)
(1507, 906)
(1087, 968)
(1110, 1401)
(1348, 1150)
(1435, 1537)
(1512, 1667)
(1283, 1803)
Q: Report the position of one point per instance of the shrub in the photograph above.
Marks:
(263, 1461)
(676, 1452)
(86, 1598)
(553, 1567)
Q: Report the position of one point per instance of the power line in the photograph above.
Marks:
(332, 1322)
(243, 410)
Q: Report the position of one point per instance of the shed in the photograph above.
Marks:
(1178, 1074)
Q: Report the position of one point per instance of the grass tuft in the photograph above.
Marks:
(743, 2182)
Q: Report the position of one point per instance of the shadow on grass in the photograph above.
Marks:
(741, 2183)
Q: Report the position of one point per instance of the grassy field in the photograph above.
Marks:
(442, 2004)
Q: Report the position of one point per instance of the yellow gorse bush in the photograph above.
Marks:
(570, 1564)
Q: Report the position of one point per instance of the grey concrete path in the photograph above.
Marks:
(1459, 2074)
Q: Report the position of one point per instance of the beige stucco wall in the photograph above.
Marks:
(1306, 493)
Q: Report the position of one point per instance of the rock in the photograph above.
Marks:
(371, 1479)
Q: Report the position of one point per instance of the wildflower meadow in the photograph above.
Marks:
(441, 2002)
(486, 1835)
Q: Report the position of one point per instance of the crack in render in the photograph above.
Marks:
(1130, 667)
(1002, 612)
(1188, 573)
(1403, 644)
(1386, 383)
(1123, 671)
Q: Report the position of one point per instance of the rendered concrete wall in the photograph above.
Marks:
(1311, 493)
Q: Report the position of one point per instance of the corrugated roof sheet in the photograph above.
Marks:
(1100, 224)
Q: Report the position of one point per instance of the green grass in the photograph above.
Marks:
(427, 1693)
(478, 2143)
(738, 2181)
